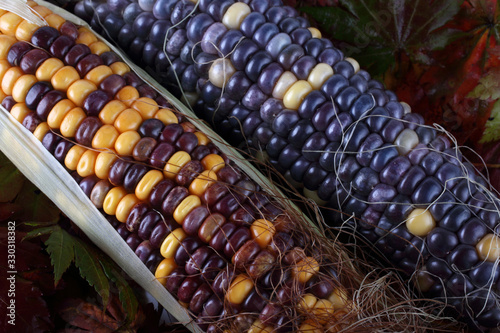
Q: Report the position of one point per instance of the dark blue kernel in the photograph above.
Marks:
(413, 120)
(229, 40)
(431, 162)
(428, 191)
(361, 106)
(251, 23)
(160, 32)
(275, 146)
(314, 176)
(334, 85)
(254, 98)
(135, 49)
(464, 190)
(391, 130)
(464, 257)
(355, 135)
(368, 148)
(370, 218)
(310, 103)
(399, 209)
(299, 168)
(288, 156)
(143, 24)
(189, 79)
(256, 64)
(197, 26)
(395, 109)
(217, 8)
(162, 9)
(324, 116)
(125, 37)
(251, 123)
(289, 55)
(300, 132)
(490, 215)
(348, 169)
(377, 118)
(449, 174)
(180, 13)
(304, 23)
(382, 242)
(301, 36)
(262, 135)
(285, 121)
(364, 181)
(485, 274)
(225, 104)
(439, 267)
(328, 187)
(314, 47)
(260, 6)
(418, 153)
(489, 318)
(380, 97)
(338, 126)
(399, 238)
(238, 115)
(314, 145)
(269, 76)
(410, 180)
(395, 170)
(332, 56)
(346, 97)
(149, 54)
(416, 251)
(359, 82)
(237, 85)
(242, 53)
(380, 196)
(340, 195)
(189, 52)
(264, 34)
(330, 159)
(303, 67)
(355, 206)
(383, 157)
(441, 242)
(270, 109)
(289, 24)
(472, 231)
(210, 94)
(276, 14)
(459, 285)
(131, 12)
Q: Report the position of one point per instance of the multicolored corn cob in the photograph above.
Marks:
(233, 255)
(262, 76)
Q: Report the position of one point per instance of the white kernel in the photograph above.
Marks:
(235, 14)
(220, 72)
(319, 74)
(354, 64)
(406, 141)
(284, 83)
(296, 94)
(406, 107)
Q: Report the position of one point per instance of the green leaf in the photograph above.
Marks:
(60, 247)
(488, 87)
(86, 259)
(41, 231)
(492, 128)
(11, 179)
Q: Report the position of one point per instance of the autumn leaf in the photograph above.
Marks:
(88, 317)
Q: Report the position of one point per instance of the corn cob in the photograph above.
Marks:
(259, 72)
(166, 189)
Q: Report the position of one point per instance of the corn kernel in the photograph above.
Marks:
(319, 74)
(185, 207)
(240, 289)
(5, 44)
(166, 116)
(172, 243)
(42, 11)
(339, 299)
(220, 72)
(103, 163)
(9, 79)
(305, 269)
(213, 162)
(235, 14)
(146, 106)
(86, 164)
(488, 248)
(126, 142)
(203, 140)
(99, 48)
(79, 91)
(314, 32)
(286, 80)
(110, 111)
(164, 269)
(128, 120)
(128, 95)
(54, 20)
(296, 94)
(420, 222)
(19, 111)
(323, 310)
(73, 157)
(200, 184)
(112, 199)
(105, 137)
(41, 130)
(125, 206)
(25, 31)
(71, 121)
(4, 67)
(310, 326)
(147, 183)
(48, 68)
(21, 87)
(307, 302)
(119, 68)
(262, 232)
(85, 37)
(98, 74)
(64, 78)
(175, 163)
(58, 112)
(9, 23)
(354, 63)
(256, 327)
(406, 141)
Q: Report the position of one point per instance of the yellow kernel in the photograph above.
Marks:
(262, 232)
(54, 20)
(41, 130)
(307, 302)
(119, 68)
(200, 184)
(126, 142)
(147, 183)
(239, 290)
(86, 37)
(72, 121)
(172, 242)
(286, 80)
(128, 120)
(323, 310)
(338, 298)
(25, 31)
(256, 327)
(86, 164)
(166, 116)
(112, 199)
(9, 79)
(5, 44)
(110, 111)
(125, 206)
(185, 207)
(48, 68)
(42, 10)
(99, 48)
(314, 32)
(420, 222)
(9, 23)
(21, 87)
(64, 77)
(127, 95)
(488, 248)
(103, 163)
(58, 112)
(164, 269)
(310, 326)
(235, 14)
(105, 137)
(79, 90)
(305, 269)
(73, 157)
(19, 111)
(213, 162)
(319, 74)
(146, 106)
(296, 94)
(203, 140)
(175, 163)
(4, 67)
(98, 74)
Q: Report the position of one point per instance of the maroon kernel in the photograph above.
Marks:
(44, 37)
(88, 63)
(61, 46)
(31, 122)
(112, 84)
(86, 131)
(219, 241)
(47, 103)
(212, 267)
(214, 193)
(118, 170)
(175, 279)
(134, 217)
(200, 297)
(88, 183)
(161, 154)
(69, 29)
(186, 248)
(171, 133)
(236, 241)
(210, 227)
(31, 60)
(143, 149)
(147, 222)
(75, 54)
(17, 51)
(144, 250)
(159, 192)
(195, 263)
(99, 192)
(245, 254)
(95, 101)
(188, 173)
(188, 288)
(173, 199)
(194, 219)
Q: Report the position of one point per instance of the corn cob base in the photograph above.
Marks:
(230, 253)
